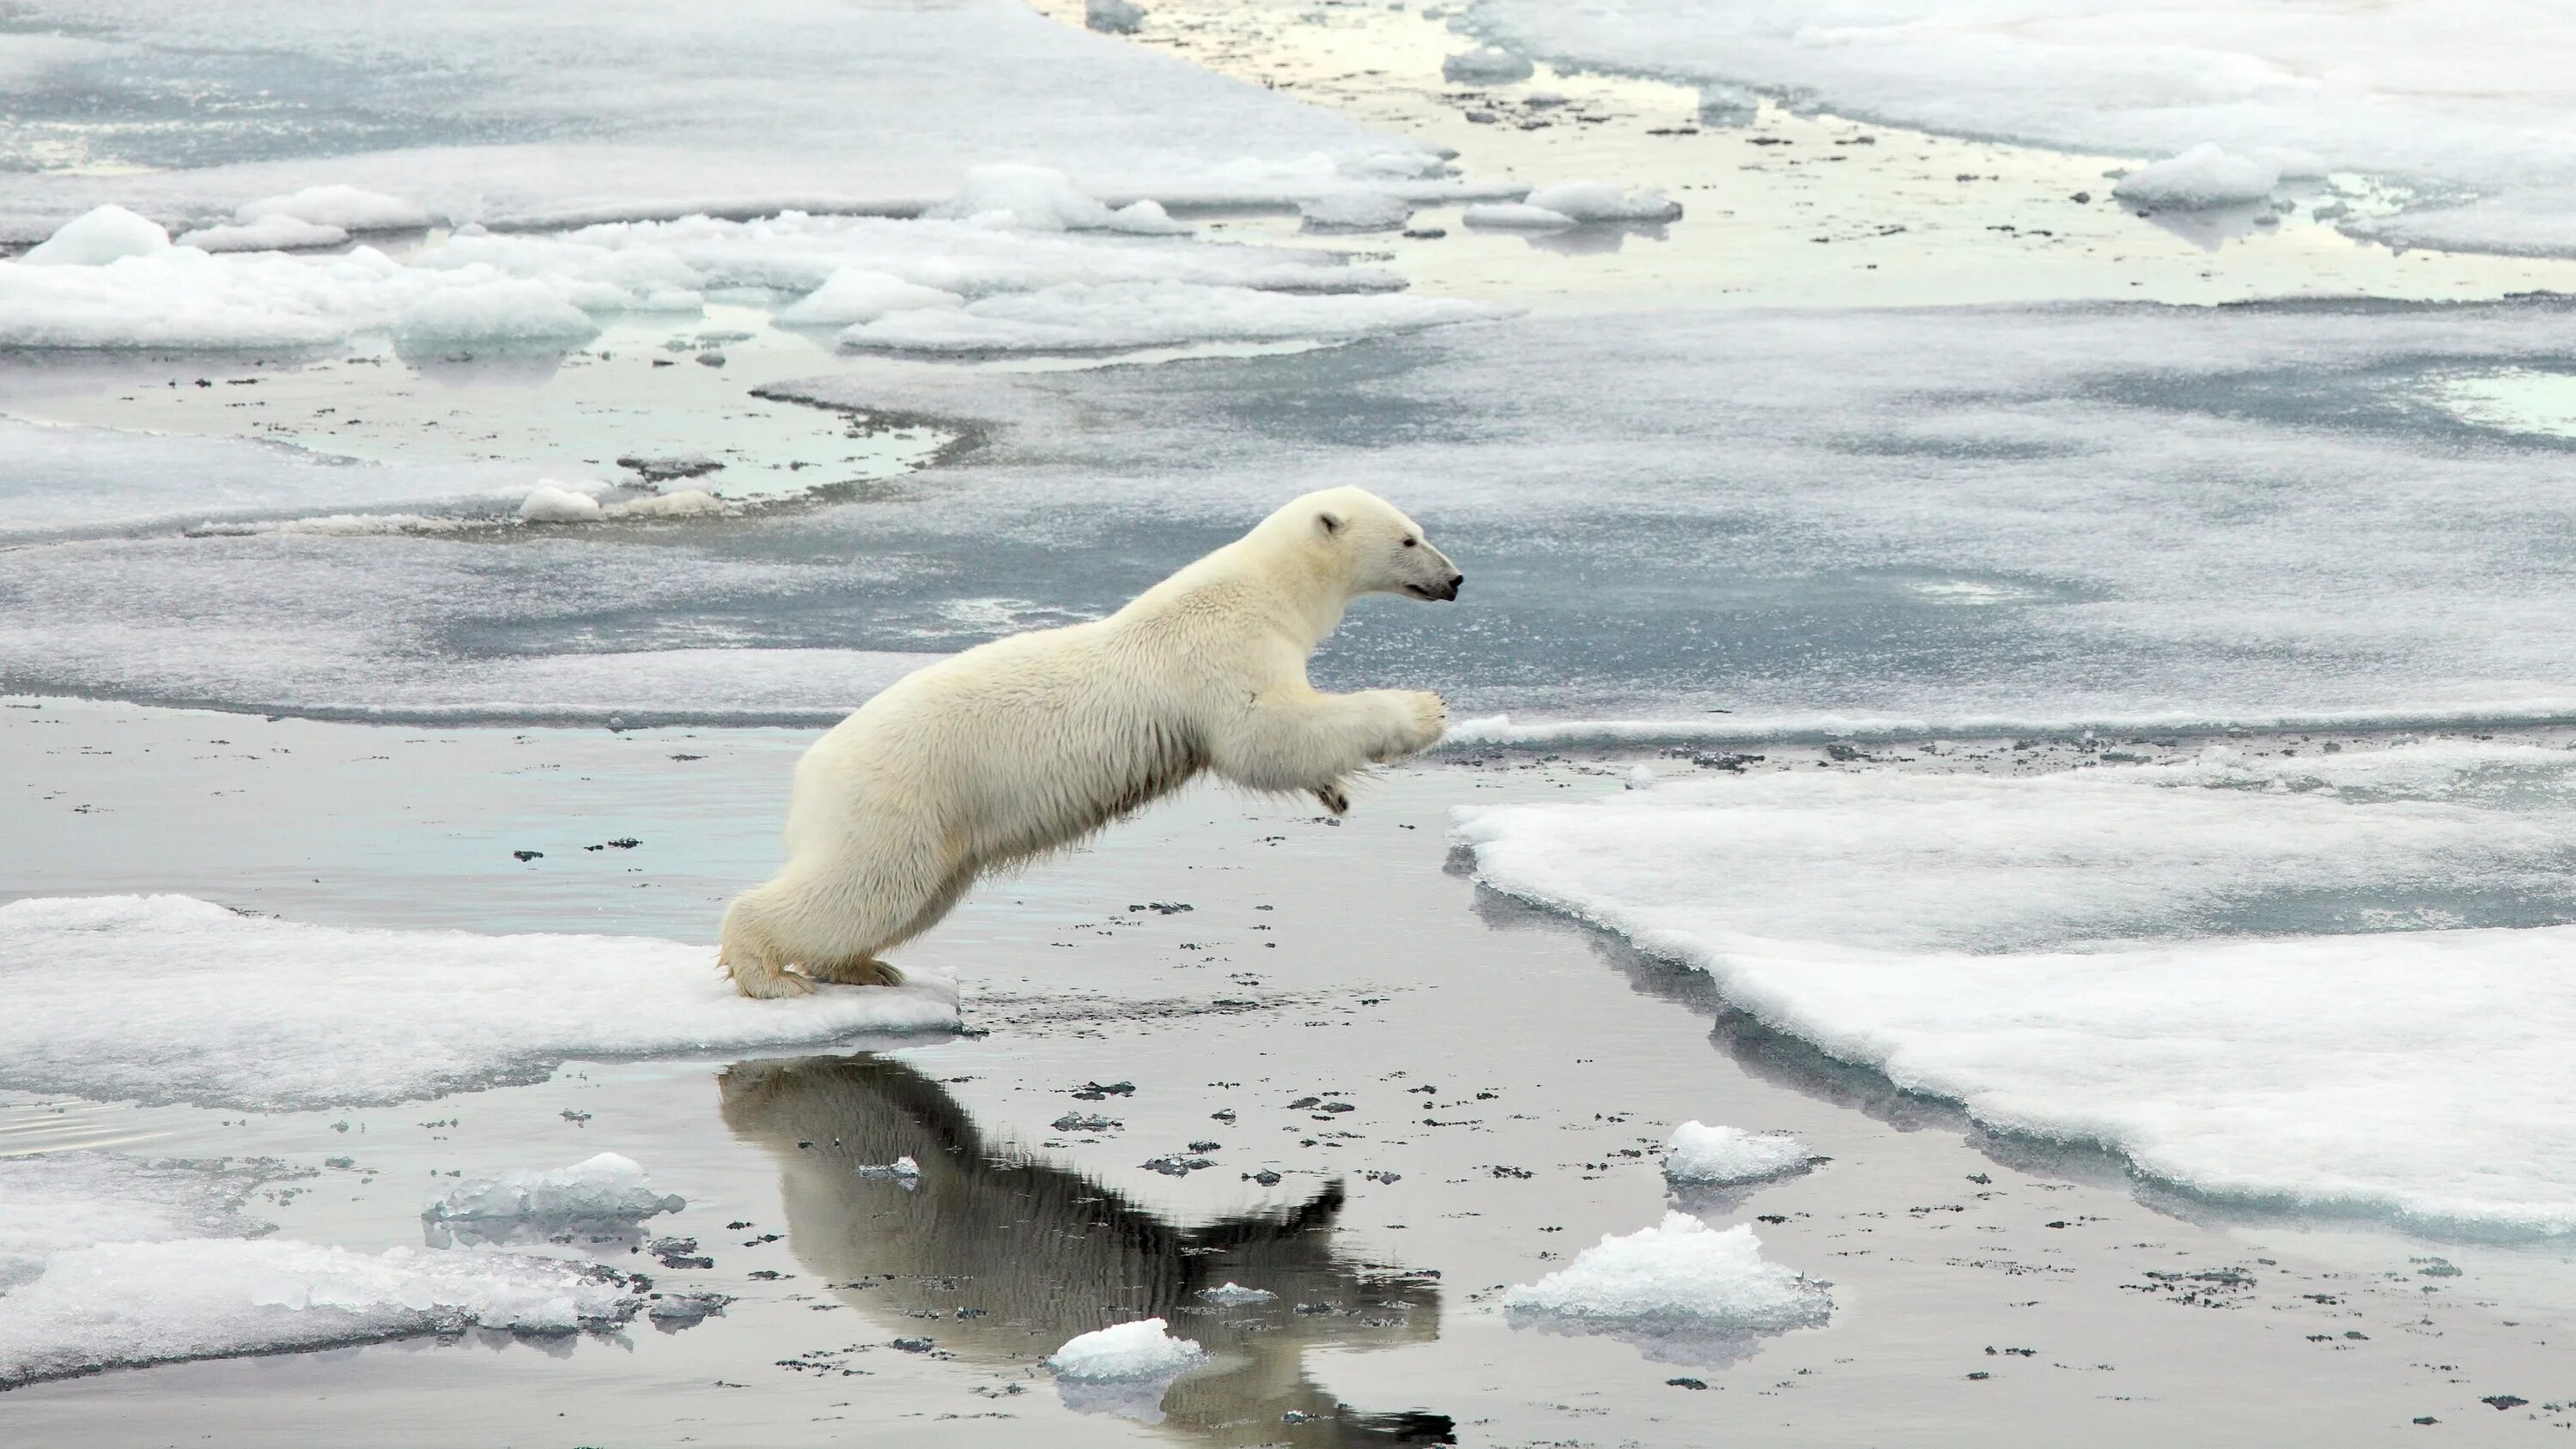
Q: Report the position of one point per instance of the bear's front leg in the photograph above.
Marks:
(1300, 740)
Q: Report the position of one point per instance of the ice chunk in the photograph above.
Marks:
(2296, 996)
(1235, 1295)
(1113, 17)
(268, 234)
(1039, 198)
(600, 1188)
(1724, 1156)
(682, 503)
(1517, 216)
(2201, 177)
(1123, 316)
(1604, 201)
(1642, 777)
(166, 998)
(349, 208)
(501, 310)
(1486, 66)
(98, 237)
(553, 503)
(902, 1170)
(858, 294)
(1681, 1290)
(1126, 1353)
(1355, 211)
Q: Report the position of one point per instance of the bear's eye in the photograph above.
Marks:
(1410, 542)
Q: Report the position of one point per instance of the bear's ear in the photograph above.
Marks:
(1329, 521)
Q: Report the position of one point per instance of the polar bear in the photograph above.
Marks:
(1028, 743)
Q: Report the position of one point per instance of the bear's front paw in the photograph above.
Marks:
(1422, 718)
(1334, 799)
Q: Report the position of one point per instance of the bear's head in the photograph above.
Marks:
(1369, 544)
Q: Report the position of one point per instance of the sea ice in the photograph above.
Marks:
(1604, 201)
(166, 998)
(858, 294)
(1040, 198)
(96, 238)
(606, 1187)
(349, 208)
(108, 1261)
(1235, 1295)
(502, 310)
(1516, 215)
(1681, 1291)
(551, 502)
(1126, 1352)
(268, 234)
(2335, 982)
(1486, 66)
(1725, 1156)
(2203, 176)
(1123, 316)
(1355, 211)
(1113, 17)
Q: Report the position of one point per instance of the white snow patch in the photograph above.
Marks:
(554, 503)
(1126, 1353)
(1679, 1290)
(1725, 1156)
(680, 503)
(348, 208)
(1516, 216)
(1039, 198)
(167, 998)
(1604, 201)
(268, 234)
(1128, 315)
(859, 294)
(98, 237)
(1956, 932)
(1642, 777)
(2201, 177)
(606, 1186)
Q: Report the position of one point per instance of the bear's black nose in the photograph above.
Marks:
(1454, 581)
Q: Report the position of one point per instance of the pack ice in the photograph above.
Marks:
(2470, 118)
(173, 999)
(108, 1261)
(1681, 1291)
(2337, 983)
(1727, 1156)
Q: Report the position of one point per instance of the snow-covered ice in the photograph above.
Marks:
(1355, 211)
(1725, 1156)
(1516, 215)
(1126, 1351)
(552, 502)
(1486, 66)
(348, 208)
(2414, 92)
(1604, 201)
(860, 294)
(2204, 176)
(1112, 17)
(2336, 982)
(1040, 198)
(605, 1187)
(167, 998)
(585, 111)
(1681, 1290)
(268, 234)
(1235, 1295)
(108, 1261)
(97, 237)
(1121, 316)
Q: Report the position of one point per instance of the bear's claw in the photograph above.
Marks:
(1334, 800)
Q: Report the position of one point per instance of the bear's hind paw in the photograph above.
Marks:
(772, 986)
(1334, 800)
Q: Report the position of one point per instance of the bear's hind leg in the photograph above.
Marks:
(859, 971)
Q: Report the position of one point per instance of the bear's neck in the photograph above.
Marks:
(1302, 594)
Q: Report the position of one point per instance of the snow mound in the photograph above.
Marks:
(1516, 216)
(98, 237)
(1724, 1156)
(268, 234)
(1603, 201)
(1129, 315)
(2203, 176)
(859, 294)
(599, 1188)
(1355, 211)
(1486, 66)
(168, 998)
(348, 208)
(554, 503)
(2317, 987)
(108, 1261)
(1038, 198)
(1680, 1289)
(1141, 1351)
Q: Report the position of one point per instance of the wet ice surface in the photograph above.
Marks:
(1482, 1140)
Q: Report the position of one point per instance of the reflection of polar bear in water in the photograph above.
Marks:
(1031, 742)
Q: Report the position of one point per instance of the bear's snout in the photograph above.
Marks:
(1441, 592)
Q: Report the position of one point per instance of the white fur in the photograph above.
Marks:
(1031, 742)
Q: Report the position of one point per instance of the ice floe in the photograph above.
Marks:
(1123, 1369)
(1120, 316)
(109, 1261)
(2204, 176)
(2336, 982)
(1355, 211)
(268, 234)
(1681, 1291)
(97, 237)
(1516, 215)
(2401, 91)
(167, 998)
(603, 1188)
(1604, 201)
(1727, 1156)
(459, 113)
